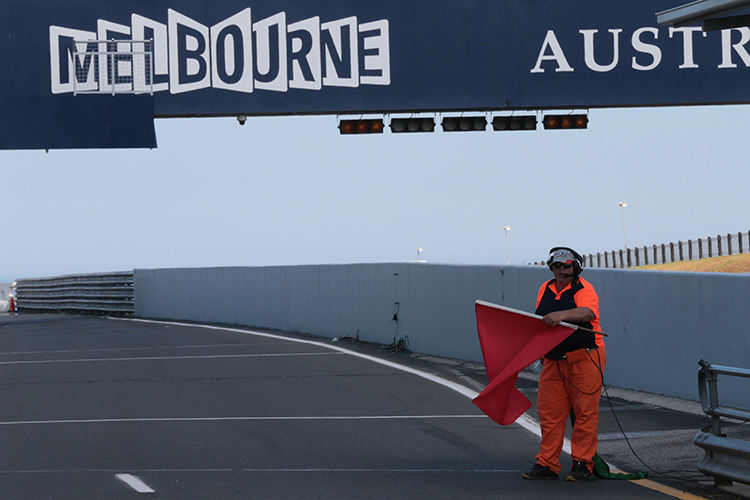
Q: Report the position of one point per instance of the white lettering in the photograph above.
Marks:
(305, 71)
(64, 67)
(739, 47)
(341, 57)
(232, 53)
(687, 44)
(588, 50)
(557, 55)
(146, 29)
(271, 67)
(188, 54)
(376, 69)
(646, 48)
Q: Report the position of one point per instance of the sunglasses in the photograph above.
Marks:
(560, 265)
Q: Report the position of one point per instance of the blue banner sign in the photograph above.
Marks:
(262, 57)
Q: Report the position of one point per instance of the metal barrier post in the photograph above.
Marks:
(707, 380)
(726, 459)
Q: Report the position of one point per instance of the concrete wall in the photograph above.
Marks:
(659, 323)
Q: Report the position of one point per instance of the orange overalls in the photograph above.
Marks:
(564, 385)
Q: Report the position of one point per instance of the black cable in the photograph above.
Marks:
(602, 386)
(599, 367)
(667, 474)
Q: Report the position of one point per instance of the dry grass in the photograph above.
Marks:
(725, 264)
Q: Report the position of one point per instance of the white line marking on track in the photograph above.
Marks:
(134, 482)
(224, 419)
(171, 471)
(122, 349)
(166, 358)
(387, 470)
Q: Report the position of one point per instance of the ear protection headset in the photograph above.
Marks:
(578, 264)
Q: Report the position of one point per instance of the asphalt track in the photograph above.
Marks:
(117, 409)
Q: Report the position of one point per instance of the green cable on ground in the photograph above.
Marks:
(601, 470)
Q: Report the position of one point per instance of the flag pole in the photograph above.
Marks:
(524, 313)
(592, 331)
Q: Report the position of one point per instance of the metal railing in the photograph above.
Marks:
(113, 66)
(106, 293)
(726, 459)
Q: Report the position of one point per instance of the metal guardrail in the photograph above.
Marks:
(726, 459)
(107, 293)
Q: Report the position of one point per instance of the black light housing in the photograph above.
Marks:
(520, 122)
(412, 125)
(565, 122)
(464, 123)
(363, 126)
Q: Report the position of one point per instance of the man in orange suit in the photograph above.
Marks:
(572, 372)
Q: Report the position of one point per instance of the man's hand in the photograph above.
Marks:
(554, 318)
(577, 315)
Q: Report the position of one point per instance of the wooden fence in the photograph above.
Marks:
(730, 244)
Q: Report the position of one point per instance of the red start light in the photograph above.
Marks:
(346, 127)
(363, 126)
(376, 127)
(566, 122)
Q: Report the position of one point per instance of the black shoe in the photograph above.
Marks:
(539, 472)
(579, 472)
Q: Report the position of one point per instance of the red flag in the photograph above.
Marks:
(511, 340)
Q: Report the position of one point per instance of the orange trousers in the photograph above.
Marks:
(563, 386)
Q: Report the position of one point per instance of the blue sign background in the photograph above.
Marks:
(441, 56)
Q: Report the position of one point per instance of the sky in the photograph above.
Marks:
(292, 191)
